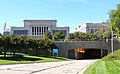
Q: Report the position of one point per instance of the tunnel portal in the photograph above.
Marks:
(87, 53)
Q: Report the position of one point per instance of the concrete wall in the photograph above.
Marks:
(65, 46)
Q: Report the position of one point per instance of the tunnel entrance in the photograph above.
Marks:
(92, 53)
(87, 53)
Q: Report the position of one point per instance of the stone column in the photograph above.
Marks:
(40, 30)
(76, 54)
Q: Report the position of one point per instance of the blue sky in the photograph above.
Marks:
(70, 13)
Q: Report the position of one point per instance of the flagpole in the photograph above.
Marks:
(5, 26)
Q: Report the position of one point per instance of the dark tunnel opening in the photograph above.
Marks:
(89, 53)
(92, 54)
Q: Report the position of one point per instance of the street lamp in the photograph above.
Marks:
(111, 39)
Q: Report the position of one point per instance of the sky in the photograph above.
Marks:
(71, 13)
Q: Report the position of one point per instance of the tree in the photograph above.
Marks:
(91, 37)
(58, 36)
(114, 17)
(48, 35)
(24, 43)
(15, 44)
(83, 36)
(47, 44)
(71, 36)
(99, 34)
(106, 35)
(1, 45)
(5, 42)
(0, 34)
(31, 43)
(77, 36)
(38, 45)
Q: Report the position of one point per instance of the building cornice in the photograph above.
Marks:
(40, 20)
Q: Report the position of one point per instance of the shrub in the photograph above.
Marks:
(18, 55)
(114, 56)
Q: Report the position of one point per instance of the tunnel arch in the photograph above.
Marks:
(87, 53)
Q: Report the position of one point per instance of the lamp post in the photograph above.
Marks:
(111, 39)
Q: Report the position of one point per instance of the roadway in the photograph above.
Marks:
(64, 67)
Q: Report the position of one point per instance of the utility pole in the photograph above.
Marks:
(111, 39)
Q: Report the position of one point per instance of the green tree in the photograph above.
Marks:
(83, 36)
(91, 37)
(15, 44)
(114, 17)
(24, 43)
(5, 41)
(58, 36)
(48, 46)
(31, 43)
(0, 34)
(77, 36)
(99, 34)
(70, 37)
(106, 35)
(1, 45)
(38, 45)
(48, 35)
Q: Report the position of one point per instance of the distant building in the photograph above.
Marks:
(7, 32)
(92, 27)
(36, 28)
(81, 28)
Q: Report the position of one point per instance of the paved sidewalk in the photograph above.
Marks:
(64, 67)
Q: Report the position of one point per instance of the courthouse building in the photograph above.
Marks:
(36, 28)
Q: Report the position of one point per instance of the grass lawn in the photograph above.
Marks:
(107, 65)
(29, 59)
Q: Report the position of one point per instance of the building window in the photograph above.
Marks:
(88, 30)
(35, 31)
(47, 28)
(95, 30)
(39, 30)
(20, 32)
(32, 30)
(92, 30)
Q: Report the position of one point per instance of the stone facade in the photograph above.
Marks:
(92, 27)
(36, 28)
